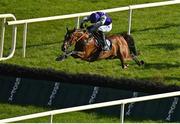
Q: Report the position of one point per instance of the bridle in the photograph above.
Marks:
(75, 37)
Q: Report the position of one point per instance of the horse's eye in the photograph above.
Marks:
(66, 36)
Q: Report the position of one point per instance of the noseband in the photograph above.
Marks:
(76, 36)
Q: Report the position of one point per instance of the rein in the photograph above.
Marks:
(79, 37)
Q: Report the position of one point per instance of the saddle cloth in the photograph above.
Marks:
(109, 43)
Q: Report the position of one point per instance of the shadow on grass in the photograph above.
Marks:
(165, 26)
(41, 44)
(163, 78)
(166, 46)
(173, 78)
(161, 65)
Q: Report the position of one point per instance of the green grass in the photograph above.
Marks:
(155, 30)
(9, 110)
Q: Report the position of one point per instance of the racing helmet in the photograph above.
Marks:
(94, 17)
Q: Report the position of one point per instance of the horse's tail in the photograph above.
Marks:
(131, 44)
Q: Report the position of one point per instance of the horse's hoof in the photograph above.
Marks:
(142, 62)
(60, 58)
(125, 67)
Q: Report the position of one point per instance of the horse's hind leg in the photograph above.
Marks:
(123, 65)
(137, 61)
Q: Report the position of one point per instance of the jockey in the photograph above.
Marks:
(101, 23)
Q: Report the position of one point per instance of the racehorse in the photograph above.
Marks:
(87, 48)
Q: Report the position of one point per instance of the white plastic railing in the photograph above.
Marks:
(93, 106)
(78, 15)
(4, 17)
(88, 13)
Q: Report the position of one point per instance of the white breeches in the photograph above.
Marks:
(105, 28)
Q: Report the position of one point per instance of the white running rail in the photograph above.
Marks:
(78, 15)
(4, 17)
(93, 106)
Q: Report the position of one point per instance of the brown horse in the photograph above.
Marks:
(87, 49)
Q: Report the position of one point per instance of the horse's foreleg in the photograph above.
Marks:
(62, 57)
(80, 54)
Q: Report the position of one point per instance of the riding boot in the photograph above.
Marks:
(103, 42)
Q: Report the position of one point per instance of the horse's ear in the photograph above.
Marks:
(74, 29)
(67, 29)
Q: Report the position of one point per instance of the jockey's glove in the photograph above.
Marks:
(82, 26)
(92, 29)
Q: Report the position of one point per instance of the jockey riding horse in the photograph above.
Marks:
(102, 23)
(86, 48)
(85, 42)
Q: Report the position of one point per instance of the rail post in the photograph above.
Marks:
(4, 17)
(122, 113)
(77, 24)
(2, 37)
(24, 39)
(14, 34)
(129, 20)
(51, 119)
